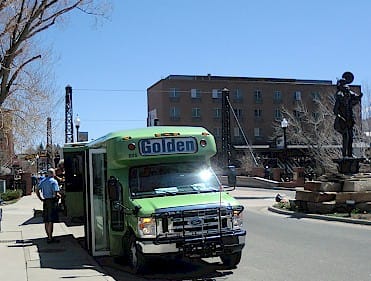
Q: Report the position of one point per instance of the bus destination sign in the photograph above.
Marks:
(166, 146)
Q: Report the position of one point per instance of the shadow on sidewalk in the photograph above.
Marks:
(38, 219)
(67, 258)
(161, 269)
(34, 220)
(70, 254)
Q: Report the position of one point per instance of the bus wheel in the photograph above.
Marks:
(136, 258)
(231, 260)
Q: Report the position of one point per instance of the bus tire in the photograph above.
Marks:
(136, 259)
(125, 247)
(231, 260)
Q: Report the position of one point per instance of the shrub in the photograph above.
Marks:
(11, 194)
(283, 205)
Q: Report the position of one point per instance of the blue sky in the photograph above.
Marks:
(110, 66)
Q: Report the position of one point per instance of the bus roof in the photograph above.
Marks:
(147, 132)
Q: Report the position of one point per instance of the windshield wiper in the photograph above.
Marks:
(164, 192)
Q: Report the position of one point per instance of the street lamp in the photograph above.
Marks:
(226, 128)
(37, 163)
(77, 125)
(284, 125)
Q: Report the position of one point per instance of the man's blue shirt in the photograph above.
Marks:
(48, 187)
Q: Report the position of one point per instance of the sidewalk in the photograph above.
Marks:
(25, 255)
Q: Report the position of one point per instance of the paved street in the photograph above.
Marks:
(286, 248)
(279, 247)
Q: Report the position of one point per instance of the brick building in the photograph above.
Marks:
(256, 103)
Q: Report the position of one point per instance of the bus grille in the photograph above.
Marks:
(195, 223)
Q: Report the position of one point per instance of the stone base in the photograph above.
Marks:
(312, 196)
(348, 165)
(357, 197)
(328, 207)
(322, 186)
(357, 185)
(364, 206)
(332, 196)
(321, 207)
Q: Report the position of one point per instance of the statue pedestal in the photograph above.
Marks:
(348, 165)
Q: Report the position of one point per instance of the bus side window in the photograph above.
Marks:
(114, 194)
(133, 179)
(114, 189)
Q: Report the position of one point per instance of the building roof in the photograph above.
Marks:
(210, 77)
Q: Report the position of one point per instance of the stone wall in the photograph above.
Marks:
(335, 193)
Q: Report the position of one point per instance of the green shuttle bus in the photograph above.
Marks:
(152, 192)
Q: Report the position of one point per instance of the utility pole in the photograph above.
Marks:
(226, 129)
(69, 115)
(49, 143)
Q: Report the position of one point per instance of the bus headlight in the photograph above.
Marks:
(147, 227)
(237, 219)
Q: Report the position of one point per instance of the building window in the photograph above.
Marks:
(217, 113)
(257, 132)
(277, 114)
(258, 96)
(257, 113)
(196, 112)
(174, 93)
(216, 94)
(238, 113)
(217, 132)
(236, 132)
(237, 136)
(297, 96)
(315, 116)
(277, 98)
(316, 96)
(297, 114)
(174, 113)
(238, 95)
(195, 94)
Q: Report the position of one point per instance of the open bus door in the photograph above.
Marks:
(97, 233)
(74, 164)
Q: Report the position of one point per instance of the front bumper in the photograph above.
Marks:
(206, 246)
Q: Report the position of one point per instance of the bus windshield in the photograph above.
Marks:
(171, 179)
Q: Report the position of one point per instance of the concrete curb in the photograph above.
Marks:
(320, 217)
(256, 182)
(271, 188)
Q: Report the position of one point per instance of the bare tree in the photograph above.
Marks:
(366, 108)
(21, 21)
(25, 81)
(315, 131)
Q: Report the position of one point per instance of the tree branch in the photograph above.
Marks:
(15, 74)
(44, 24)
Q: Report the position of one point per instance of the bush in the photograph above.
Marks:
(283, 205)
(11, 195)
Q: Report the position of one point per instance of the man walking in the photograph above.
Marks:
(50, 195)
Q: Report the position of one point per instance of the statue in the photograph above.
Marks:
(345, 99)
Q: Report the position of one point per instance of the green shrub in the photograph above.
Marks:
(11, 194)
(283, 205)
(356, 211)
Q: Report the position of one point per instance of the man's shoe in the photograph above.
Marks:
(53, 240)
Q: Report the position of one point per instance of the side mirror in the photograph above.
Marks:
(114, 189)
(232, 178)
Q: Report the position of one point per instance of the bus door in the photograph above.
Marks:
(98, 222)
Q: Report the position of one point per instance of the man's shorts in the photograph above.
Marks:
(50, 210)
